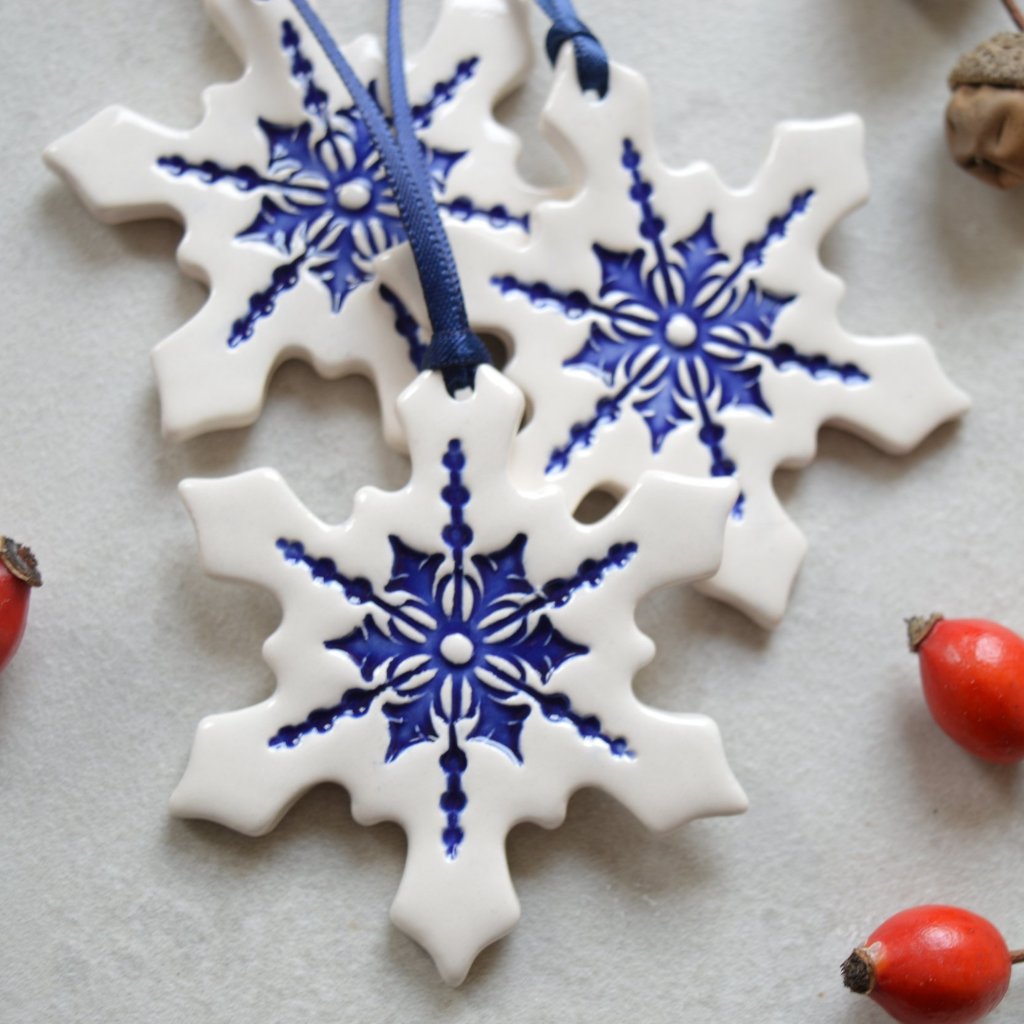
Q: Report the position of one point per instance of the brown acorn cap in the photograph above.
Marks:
(998, 61)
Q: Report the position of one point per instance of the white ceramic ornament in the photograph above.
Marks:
(459, 656)
(664, 321)
(285, 203)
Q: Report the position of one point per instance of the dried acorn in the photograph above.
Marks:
(985, 116)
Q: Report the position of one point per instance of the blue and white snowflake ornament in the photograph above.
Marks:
(665, 321)
(286, 207)
(459, 655)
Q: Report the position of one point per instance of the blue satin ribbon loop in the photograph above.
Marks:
(591, 56)
(454, 349)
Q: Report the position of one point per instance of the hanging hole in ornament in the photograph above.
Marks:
(497, 348)
(594, 96)
(595, 506)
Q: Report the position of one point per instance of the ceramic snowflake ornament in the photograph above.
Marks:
(286, 206)
(459, 656)
(664, 321)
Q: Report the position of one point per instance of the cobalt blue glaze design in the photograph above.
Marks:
(327, 206)
(406, 325)
(679, 332)
(457, 639)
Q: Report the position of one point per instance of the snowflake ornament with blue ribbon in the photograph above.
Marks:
(287, 209)
(459, 655)
(665, 321)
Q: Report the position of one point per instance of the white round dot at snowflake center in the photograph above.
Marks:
(355, 195)
(680, 331)
(457, 648)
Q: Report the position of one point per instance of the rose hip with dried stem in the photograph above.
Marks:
(18, 574)
(933, 965)
(972, 673)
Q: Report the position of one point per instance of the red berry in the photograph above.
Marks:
(932, 965)
(972, 672)
(18, 574)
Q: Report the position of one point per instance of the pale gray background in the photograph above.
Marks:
(113, 912)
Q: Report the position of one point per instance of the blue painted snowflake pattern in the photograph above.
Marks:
(679, 332)
(456, 638)
(327, 207)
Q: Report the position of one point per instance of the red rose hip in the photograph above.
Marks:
(932, 965)
(972, 672)
(18, 574)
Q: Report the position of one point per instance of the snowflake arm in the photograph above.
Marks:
(574, 304)
(354, 703)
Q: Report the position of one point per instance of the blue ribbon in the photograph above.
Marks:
(454, 349)
(591, 57)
